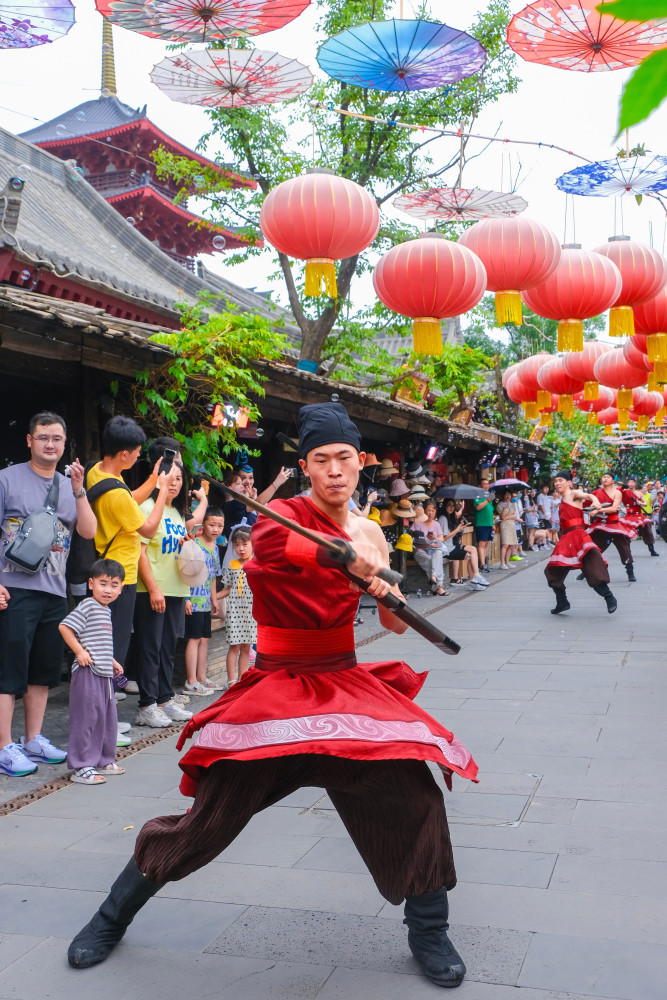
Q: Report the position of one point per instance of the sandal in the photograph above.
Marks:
(87, 776)
(442, 593)
(111, 769)
(358, 621)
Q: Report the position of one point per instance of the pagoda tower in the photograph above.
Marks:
(113, 144)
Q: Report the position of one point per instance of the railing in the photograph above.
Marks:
(189, 263)
(126, 180)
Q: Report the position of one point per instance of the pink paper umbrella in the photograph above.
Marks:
(200, 20)
(459, 204)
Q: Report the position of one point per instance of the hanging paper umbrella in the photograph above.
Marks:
(573, 35)
(636, 175)
(401, 55)
(459, 204)
(231, 78)
(200, 20)
(31, 22)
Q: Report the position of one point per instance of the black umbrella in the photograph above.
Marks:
(461, 492)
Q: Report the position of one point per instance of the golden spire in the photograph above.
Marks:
(108, 66)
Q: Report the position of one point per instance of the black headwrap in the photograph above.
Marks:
(564, 474)
(326, 423)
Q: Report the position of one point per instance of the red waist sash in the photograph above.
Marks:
(569, 525)
(305, 650)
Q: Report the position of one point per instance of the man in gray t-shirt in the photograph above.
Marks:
(33, 604)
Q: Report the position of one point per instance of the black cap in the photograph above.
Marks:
(563, 474)
(326, 423)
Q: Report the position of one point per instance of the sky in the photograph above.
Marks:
(575, 110)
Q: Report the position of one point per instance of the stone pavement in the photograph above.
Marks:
(560, 848)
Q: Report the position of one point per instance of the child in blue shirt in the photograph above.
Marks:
(203, 601)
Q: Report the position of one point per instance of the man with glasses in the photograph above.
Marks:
(33, 604)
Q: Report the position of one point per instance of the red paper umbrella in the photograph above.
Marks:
(553, 377)
(580, 365)
(517, 254)
(612, 369)
(583, 285)
(200, 20)
(319, 218)
(572, 34)
(643, 272)
(429, 279)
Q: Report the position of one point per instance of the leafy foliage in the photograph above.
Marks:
(211, 364)
(274, 145)
(594, 456)
(647, 87)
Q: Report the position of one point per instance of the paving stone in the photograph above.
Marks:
(550, 810)
(351, 984)
(640, 816)
(33, 833)
(529, 868)
(600, 968)
(13, 946)
(634, 878)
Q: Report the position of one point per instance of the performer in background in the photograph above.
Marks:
(606, 527)
(308, 714)
(635, 516)
(575, 549)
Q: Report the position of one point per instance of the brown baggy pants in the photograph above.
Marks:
(392, 809)
(646, 534)
(593, 567)
(603, 539)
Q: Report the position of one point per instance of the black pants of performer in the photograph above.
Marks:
(392, 809)
(603, 539)
(593, 567)
(646, 535)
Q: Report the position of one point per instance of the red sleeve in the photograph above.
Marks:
(273, 543)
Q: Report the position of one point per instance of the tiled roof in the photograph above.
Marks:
(69, 227)
(86, 119)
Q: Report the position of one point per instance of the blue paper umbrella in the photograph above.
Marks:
(610, 178)
(401, 55)
(27, 23)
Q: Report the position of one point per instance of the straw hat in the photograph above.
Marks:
(387, 519)
(419, 481)
(419, 495)
(398, 489)
(191, 563)
(371, 459)
(387, 468)
(403, 509)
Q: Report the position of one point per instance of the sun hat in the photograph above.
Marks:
(403, 509)
(387, 468)
(398, 489)
(387, 519)
(371, 459)
(191, 564)
(419, 495)
(413, 469)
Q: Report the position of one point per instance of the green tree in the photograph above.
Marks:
(384, 159)
(593, 455)
(211, 365)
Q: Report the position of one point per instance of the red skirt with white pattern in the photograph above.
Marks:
(614, 528)
(572, 548)
(635, 521)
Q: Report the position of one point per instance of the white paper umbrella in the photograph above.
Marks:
(459, 204)
(231, 78)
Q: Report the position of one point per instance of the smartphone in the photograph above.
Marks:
(168, 457)
(196, 483)
(291, 473)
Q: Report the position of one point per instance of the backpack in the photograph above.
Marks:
(82, 553)
(31, 545)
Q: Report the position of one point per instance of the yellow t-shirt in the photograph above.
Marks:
(162, 551)
(119, 514)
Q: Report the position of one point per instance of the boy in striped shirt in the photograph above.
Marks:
(93, 719)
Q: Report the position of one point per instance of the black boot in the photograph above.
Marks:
(98, 938)
(603, 590)
(580, 576)
(630, 570)
(651, 549)
(562, 603)
(436, 956)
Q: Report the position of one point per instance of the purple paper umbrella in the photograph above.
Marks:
(23, 25)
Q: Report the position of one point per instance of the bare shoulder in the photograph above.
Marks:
(361, 527)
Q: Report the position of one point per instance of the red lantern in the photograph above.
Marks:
(319, 218)
(553, 377)
(517, 253)
(648, 404)
(429, 279)
(607, 418)
(518, 392)
(528, 369)
(583, 285)
(651, 320)
(509, 371)
(634, 355)
(606, 398)
(612, 369)
(580, 366)
(643, 272)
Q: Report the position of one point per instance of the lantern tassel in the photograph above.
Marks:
(660, 371)
(624, 399)
(546, 420)
(608, 429)
(591, 391)
(570, 335)
(593, 420)
(543, 399)
(660, 417)
(656, 347)
(566, 406)
(531, 411)
(623, 418)
(509, 308)
(427, 335)
(642, 424)
(621, 321)
(321, 271)
(652, 383)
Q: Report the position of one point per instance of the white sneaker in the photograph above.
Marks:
(504, 567)
(174, 712)
(480, 580)
(152, 716)
(120, 695)
(124, 727)
(476, 586)
(131, 688)
(197, 689)
(181, 699)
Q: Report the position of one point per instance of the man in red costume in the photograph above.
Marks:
(309, 715)
(635, 516)
(575, 550)
(607, 529)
